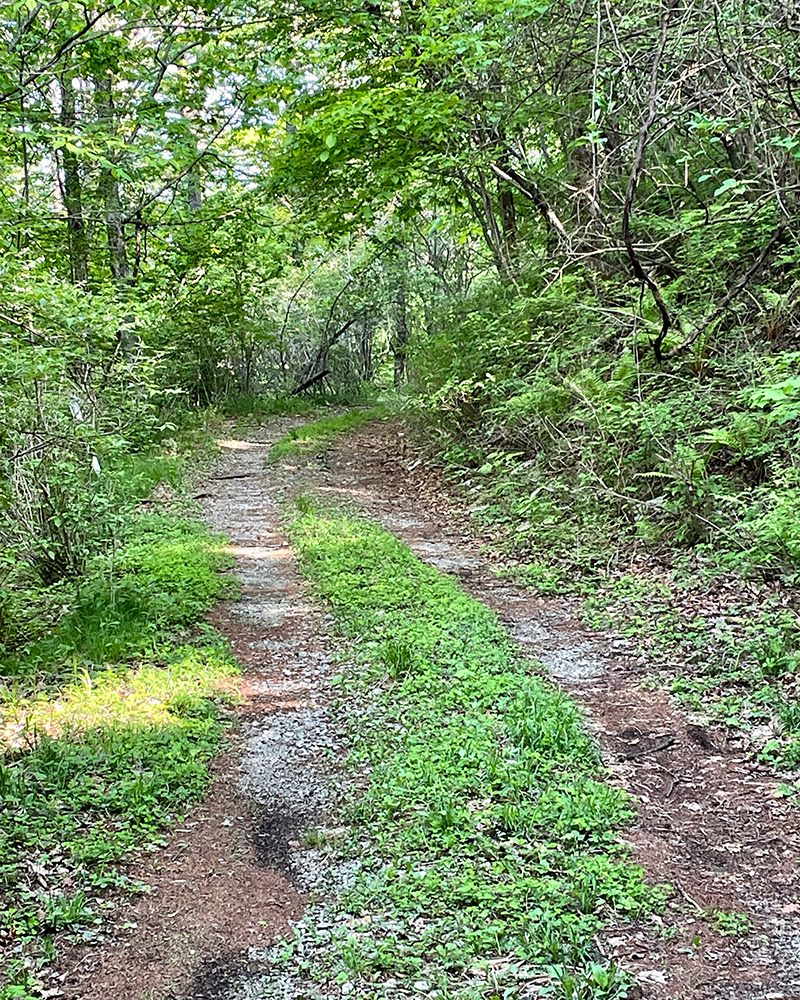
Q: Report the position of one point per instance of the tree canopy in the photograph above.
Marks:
(206, 201)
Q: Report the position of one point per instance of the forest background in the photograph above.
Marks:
(563, 233)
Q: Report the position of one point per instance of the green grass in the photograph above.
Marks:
(163, 578)
(317, 436)
(107, 722)
(486, 832)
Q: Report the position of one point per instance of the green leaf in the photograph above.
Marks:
(729, 184)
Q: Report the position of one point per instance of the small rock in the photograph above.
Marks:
(652, 976)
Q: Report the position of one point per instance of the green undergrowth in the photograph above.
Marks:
(107, 722)
(253, 405)
(259, 405)
(717, 612)
(63, 542)
(164, 575)
(317, 436)
(720, 633)
(726, 643)
(667, 494)
(489, 843)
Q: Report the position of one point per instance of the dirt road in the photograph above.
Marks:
(233, 877)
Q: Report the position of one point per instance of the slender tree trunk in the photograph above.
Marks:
(400, 344)
(22, 238)
(495, 233)
(508, 217)
(194, 192)
(109, 188)
(115, 227)
(508, 221)
(140, 241)
(73, 199)
(365, 345)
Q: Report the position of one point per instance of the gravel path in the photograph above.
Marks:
(236, 874)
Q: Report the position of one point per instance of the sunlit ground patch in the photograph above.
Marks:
(256, 552)
(233, 445)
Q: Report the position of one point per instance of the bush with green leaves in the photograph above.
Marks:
(541, 404)
(72, 411)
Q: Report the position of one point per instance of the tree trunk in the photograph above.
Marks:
(508, 220)
(400, 344)
(73, 199)
(194, 192)
(494, 232)
(115, 227)
(109, 188)
(365, 346)
(22, 231)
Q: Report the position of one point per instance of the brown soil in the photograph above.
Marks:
(209, 898)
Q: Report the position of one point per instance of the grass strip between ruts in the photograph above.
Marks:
(318, 435)
(488, 841)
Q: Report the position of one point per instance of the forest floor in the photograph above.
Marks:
(236, 874)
